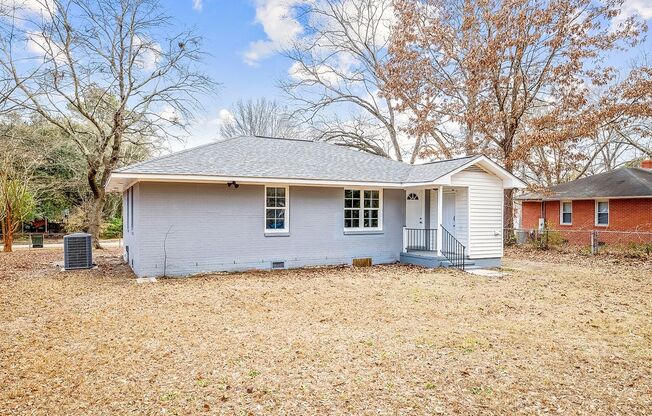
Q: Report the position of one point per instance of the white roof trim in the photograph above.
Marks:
(509, 180)
(119, 181)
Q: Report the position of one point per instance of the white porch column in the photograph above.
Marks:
(440, 208)
(404, 239)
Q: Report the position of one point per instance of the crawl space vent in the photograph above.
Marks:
(278, 265)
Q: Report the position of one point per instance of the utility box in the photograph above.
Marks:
(36, 240)
(77, 251)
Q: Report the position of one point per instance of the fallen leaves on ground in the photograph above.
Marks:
(556, 335)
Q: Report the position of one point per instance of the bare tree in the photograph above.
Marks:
(335, 79)
(259, 117)
(107, 73)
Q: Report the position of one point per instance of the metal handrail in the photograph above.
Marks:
(452, 249)
(421, 239)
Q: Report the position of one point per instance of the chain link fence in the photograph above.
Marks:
(594, 241)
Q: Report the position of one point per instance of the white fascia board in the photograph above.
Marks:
(509, 180)
(119, 181)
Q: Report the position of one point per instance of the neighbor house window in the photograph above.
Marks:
(601, 212)
(566, 212)
(362, 209)
(276, 209)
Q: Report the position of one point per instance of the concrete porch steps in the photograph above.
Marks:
(431, 260)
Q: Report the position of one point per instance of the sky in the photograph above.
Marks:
(241, 56)
(242, 37)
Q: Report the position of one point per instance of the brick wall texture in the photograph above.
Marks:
(625, 215)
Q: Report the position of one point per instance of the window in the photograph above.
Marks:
(413, 197)
(131, 209)
(125, 202)
(362, 209)
(276, 209)
(566, 213)
(602, 213)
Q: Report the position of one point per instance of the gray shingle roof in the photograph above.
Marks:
(621, 182)
(260, 157)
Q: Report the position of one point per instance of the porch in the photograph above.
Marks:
(436, 227)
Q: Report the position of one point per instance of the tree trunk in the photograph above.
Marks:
(8, 229)
(8, 242)
(508, 219)
(95, 218)
(508, 209)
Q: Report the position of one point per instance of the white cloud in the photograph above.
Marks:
(324, 72)
(643, 8)
(280, 26)
(224, 116)
(29, 7)
(198, 5)
(170, 114)
(39, 45)
(148, 54)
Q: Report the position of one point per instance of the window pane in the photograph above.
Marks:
(271, 202)
(603, 218)
(351, 213)
(567, 218)
(567, 207)
(370, 218)
(603, 207)
(280, 201)
(280, 192)
(371, 199)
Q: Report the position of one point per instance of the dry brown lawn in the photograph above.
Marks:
(560, 334)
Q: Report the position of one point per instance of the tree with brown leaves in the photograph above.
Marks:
(508, 75)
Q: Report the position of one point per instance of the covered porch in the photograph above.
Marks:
(436, 230)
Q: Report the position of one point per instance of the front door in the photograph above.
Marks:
(448, 212)
(414, 208)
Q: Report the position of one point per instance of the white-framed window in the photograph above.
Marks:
(602, 213)
(363, 209)
(566, 213)
(277, 217)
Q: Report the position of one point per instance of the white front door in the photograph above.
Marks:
(448, 212)
(414, 209)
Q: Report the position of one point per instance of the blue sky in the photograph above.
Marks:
(228, 27)
(241, 36)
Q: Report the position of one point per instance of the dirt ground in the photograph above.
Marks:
(560, 334)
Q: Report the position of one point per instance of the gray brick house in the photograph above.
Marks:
(262, 203)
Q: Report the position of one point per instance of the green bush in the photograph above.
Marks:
(112, 229)
(547, 239)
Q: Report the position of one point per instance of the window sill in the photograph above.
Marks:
(277, 234)
(363, 232)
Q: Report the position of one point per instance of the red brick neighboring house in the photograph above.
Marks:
(620, 200)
